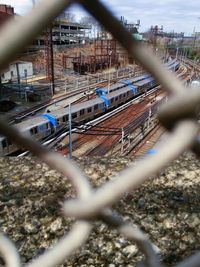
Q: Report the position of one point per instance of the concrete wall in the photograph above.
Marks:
(25, 69)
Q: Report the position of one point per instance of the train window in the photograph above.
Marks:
(89, 110)
(74, 115)
(120, 96)
(124, 95)
(34, 131)
(4, 143)
(82, 111)
(95, 107)
(65, 118)
(47, 125)
(116, 98)
(127, 93)
(58, 121)
(111, 101)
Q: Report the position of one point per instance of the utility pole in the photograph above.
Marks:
(110, 54)
(177, 48)
(49, 58)
(70, 132)
(194, 33)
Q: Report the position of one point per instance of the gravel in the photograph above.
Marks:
(167, 208)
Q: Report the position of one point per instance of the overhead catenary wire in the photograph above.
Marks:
(104, 134)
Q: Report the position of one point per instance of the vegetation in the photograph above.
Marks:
(194, 53)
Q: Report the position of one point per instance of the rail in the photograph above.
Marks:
(178, 115)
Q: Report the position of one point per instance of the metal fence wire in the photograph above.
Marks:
(178, 115)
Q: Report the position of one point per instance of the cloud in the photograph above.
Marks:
(177, 15)
(21, 6)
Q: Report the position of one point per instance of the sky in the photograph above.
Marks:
(177, 15)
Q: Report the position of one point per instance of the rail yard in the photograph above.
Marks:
(115, 132)
(88, 99)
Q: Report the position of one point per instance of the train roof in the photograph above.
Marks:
(28, 124)
(135, 79)
(77, 107)
(143, 82)
(118, 92)
(87, 104)
(112, 87)
(31, 122)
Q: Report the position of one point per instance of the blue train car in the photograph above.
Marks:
(121, 84)
(112, 88)
(117, 98)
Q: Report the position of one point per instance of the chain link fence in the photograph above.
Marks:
(178, 115)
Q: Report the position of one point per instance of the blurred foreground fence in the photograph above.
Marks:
(178, 115)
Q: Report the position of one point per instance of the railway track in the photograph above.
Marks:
(146, 145)
(33, 110)
(94, 144)
(100, 139)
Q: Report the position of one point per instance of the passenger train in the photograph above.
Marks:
(43, 126)
(172, 65)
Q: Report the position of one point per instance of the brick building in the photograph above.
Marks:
(6, 12)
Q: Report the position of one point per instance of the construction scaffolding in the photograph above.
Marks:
(49, 57)
(104, 57)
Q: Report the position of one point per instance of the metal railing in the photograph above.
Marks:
(178, 115)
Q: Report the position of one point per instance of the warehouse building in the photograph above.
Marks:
(17, 70)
